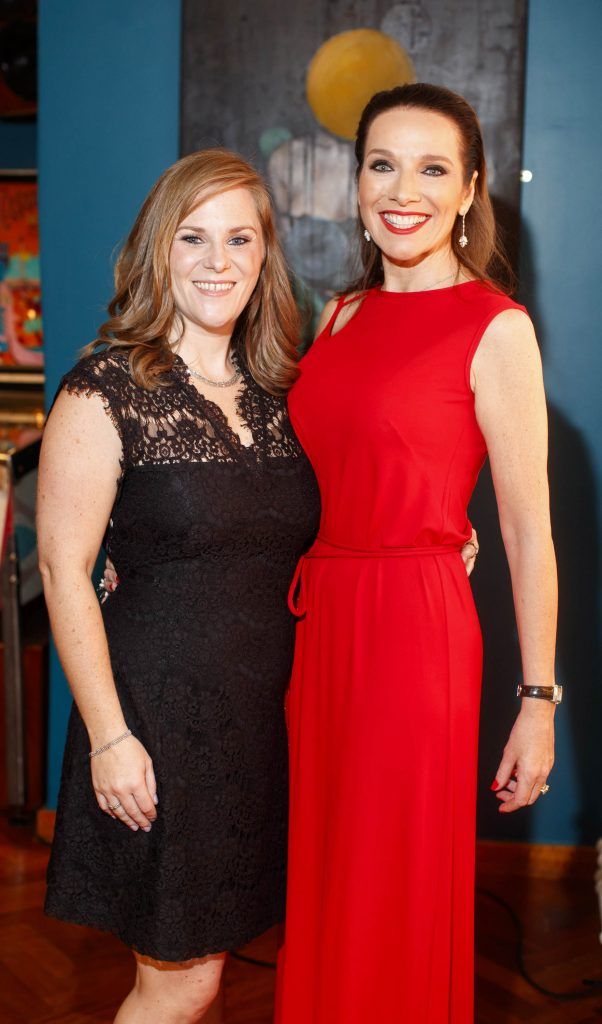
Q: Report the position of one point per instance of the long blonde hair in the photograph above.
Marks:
(142, 310)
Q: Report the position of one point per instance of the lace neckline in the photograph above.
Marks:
(249, 410)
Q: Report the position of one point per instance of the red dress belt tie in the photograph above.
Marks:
(323, 548)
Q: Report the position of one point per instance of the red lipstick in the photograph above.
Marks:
(403, 231)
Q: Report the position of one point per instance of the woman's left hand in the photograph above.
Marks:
(469, 552)
(528, 756)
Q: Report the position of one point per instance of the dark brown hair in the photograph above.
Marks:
(484, 257)
(143, 311)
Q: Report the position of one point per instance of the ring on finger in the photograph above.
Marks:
(544, 789)
(114, 807)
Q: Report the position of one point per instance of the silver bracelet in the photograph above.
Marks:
(101, 750)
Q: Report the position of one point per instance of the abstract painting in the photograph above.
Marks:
(284, 85)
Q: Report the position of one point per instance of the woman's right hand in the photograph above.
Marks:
(125, 785)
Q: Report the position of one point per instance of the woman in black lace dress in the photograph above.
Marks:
(173, 442)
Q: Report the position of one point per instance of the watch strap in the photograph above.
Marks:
(551, 693)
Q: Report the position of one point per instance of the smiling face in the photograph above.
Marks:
(412, 185)
(215, 261)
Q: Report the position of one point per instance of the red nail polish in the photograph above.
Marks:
(495, 785)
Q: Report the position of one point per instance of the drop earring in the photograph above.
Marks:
(463, 240)
(367, 235)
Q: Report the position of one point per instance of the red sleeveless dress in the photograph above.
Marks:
(384, 698)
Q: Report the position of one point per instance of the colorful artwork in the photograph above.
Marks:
(20, 303)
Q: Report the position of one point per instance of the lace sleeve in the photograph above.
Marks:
(103, 374)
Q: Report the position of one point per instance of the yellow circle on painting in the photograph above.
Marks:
(346, 72)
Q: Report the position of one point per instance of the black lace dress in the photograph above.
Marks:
(205, 534)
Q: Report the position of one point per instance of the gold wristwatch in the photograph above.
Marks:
(552, 693)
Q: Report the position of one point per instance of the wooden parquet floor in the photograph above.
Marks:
(51, 973)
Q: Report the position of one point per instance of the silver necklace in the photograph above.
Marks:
(218, 383)
(454, 273)
(442, 280)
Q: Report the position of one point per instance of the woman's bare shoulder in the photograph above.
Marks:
(349, 306)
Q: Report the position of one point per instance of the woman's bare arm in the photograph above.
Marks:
(79, 469)
(511, 411)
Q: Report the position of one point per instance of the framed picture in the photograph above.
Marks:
(21, 347)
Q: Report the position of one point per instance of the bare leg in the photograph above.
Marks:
(171, 993)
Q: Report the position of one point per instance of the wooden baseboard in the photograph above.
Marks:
(536, 860)
(45, 820)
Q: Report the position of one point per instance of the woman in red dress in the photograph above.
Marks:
(420, 371)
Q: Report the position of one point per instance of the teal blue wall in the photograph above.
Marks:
(561, 262)
(18, 144)
(561, 213)
(108, 126)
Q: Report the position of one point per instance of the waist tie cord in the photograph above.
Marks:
(296, 593)
(323, 548)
